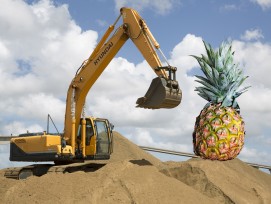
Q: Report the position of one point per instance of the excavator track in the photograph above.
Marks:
(42, 169)
(26, 171)
(12, 173)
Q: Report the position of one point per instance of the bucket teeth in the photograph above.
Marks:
(162, 93)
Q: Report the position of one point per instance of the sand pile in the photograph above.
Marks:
(134, 176)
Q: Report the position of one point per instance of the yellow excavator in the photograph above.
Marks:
(90, 138)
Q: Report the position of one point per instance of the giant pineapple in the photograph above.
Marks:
(219, 129)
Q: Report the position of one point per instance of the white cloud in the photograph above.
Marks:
(4, 52)
(249, 35)
(264, 4)
(255, 58)
(18, 127)
(253, 155)
(102, 23)
(180, 55)
(159, 6)
(38, 59)
(143, 138)
(229, 7)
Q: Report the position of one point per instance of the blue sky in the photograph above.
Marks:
(44, 44)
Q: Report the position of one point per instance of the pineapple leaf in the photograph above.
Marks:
(204, 96)
(210, 52)
(222, 77)
(243, 90)
(215, 76)
(210, 95)
(205, 59)
(208, 86)
(205, 80)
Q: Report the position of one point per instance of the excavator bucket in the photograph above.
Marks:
(162, 93)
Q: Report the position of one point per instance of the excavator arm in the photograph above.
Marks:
(164, 91)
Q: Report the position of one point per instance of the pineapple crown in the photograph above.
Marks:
(222, 77)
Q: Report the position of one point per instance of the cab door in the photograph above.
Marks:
(103, 141)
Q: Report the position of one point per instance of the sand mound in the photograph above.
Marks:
(228, 181)
(126, 150)
(134, 176)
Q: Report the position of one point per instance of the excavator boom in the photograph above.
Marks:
(164, 91)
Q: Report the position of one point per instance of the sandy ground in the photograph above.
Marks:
(134, 176)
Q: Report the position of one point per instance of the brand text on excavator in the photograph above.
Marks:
(103, 53)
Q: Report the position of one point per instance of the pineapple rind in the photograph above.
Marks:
(219, 133)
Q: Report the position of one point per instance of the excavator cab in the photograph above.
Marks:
(98, 138)
(162, 93)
